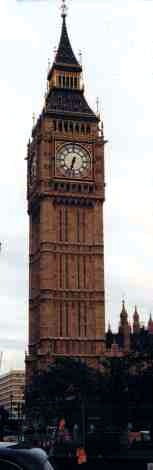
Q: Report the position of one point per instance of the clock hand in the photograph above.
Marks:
(73, 162)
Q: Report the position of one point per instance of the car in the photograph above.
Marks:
(14, 457)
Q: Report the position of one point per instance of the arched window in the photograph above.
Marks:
(71, 82)
(82, 129)
(88, 130)
(60, 126)
(60, 81)
(65, 126)
(77, 128)
(71, 126)
(67, 82)
(54, 125)
(63, 81)
(75, 82)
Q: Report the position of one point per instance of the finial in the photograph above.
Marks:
(49, 65)
(97, 103)
(33, 119)
(64, 9)
(54, 52)
(80, 57)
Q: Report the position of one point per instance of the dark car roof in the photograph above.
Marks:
(31, 459)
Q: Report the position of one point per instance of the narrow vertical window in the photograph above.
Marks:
(75, 82)
(71, 82)
(61, 321)
(66, 224)
(78, 271)
(60, 226)
(61, 272)
(67, 319)
(79, 320)
(84, 226)
(84, 269)
(71, 127)
(78, 225)
(66, 271)
(85, 320)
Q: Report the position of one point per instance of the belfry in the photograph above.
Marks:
(65, 192)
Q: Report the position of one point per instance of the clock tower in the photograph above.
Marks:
(65, 192)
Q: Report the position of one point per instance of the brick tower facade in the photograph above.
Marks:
(65, 180)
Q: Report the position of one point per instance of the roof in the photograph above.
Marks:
(65, 54)
(68, 101)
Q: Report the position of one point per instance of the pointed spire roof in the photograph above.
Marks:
(150, 324)
(123, 314)
(65, 54)
(135, 315)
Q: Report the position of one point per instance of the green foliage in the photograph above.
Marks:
(53, 391)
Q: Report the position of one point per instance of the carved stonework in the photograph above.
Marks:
(65, 207)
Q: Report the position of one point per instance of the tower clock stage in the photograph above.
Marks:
(65, 192)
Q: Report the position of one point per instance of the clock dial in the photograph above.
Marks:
(72, 160)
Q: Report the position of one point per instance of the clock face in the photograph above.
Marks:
(73, 161)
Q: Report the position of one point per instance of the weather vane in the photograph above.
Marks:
(64, 8)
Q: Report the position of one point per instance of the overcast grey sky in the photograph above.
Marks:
(116, 39)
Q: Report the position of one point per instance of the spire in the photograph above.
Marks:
(123, 314)
(65, 54)
(150, 324)
(136, 321)
(135, 315)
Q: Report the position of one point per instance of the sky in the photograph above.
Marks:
(116, 40)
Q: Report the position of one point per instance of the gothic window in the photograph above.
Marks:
(78, 271)
(54, 124)
(71, 82)
(75, 82)
(60, 225)
(84, 269)
(67, 82)
(71, 127)
(86, 188)
(78, 225)
(60, 100)
(91, 188)
(82, 129)
(67, 320)
(61, 321)
(85, 320)
(66, 224)
(60, 126)
(79, 320)
(61, 272)
(65, 126)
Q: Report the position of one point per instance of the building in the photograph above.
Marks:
(130, 337)
(65, 192)
(12, 392)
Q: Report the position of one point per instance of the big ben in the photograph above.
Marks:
(65, 191)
